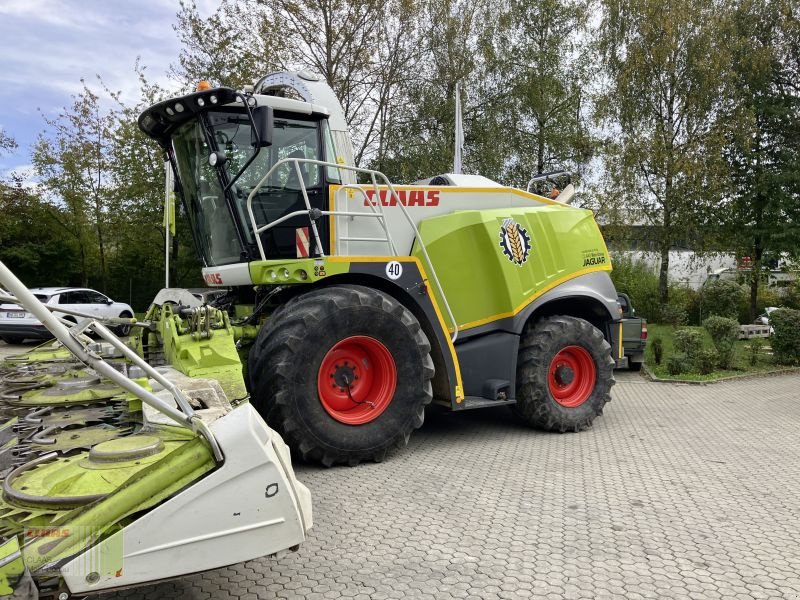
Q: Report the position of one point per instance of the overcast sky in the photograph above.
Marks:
(47, 46)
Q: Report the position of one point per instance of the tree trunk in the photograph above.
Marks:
(84, 269)
(102, 250)
(665, 244)
(540, 149)
(663, 273)
(755, 275)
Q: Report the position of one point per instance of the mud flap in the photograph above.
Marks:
(615, 340)
(15, 580)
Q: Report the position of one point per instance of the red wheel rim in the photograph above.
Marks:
(368, 367)
(572, 376)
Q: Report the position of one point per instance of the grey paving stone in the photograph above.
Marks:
(677, 492)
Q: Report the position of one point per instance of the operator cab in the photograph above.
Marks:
(221, 149)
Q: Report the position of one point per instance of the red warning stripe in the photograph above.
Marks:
(301, 242)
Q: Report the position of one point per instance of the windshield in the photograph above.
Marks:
(203, 191)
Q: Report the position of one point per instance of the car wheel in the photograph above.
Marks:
(123, 330)
(12, 339)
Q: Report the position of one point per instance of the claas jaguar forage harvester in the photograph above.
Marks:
(356, 303)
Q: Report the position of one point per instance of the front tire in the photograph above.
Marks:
(343, 373)
(564, 374)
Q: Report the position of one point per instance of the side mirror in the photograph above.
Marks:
(109, 301)
(263, 121)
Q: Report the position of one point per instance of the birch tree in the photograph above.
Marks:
(669, 71)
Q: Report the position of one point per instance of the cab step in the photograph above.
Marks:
(471, 402)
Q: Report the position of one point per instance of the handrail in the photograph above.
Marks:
(548, 177)
(314, 214)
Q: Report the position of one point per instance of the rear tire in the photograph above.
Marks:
(343, 373)
(564, 374)
(12, 339)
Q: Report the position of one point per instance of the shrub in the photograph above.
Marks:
(657, 344)
(724, 333)
(688, 300)
(678, 363)
(755, 348)
(723, 297)
(640, 282)
(672, 314)
(786, 339)
(706, 361)
(790, 298)
(688, 342)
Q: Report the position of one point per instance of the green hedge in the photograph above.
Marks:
(724, 332)
(786, 339)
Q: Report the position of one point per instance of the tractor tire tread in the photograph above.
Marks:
(280, 348)
(540, 341)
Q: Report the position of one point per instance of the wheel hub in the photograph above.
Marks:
(572, 376)
(564, 375)
(357, 380)
(344, 376)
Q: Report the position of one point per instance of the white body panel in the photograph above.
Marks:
(421, 202)
(249, 507)
(228, 275)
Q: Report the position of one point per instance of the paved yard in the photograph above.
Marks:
(677, 492)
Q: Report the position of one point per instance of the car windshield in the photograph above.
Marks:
(203, 190)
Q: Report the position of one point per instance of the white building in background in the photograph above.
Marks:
(685, 267)
(689, 269)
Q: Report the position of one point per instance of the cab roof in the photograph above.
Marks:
(161, 119)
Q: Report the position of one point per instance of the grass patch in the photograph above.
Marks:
(741, 358)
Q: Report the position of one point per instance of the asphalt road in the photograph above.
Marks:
(677, 492)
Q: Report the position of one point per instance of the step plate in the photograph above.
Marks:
(471, 402)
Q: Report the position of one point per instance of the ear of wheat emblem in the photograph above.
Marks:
(515, 242)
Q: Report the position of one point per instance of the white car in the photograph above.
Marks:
(16, 325)
(763, 318)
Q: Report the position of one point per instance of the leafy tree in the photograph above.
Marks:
(28, 245)
(7, 143)
(762, 219)
(420, 140)
(138, 180)
(668, 70)
(72, 161)
(540, 60)
(235, 45)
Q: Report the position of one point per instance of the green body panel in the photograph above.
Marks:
(482, 283)
(145, 488)
(11, 571)
(302, 270)
(198, 352)
(79, 475)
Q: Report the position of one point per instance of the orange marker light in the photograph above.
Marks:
(203, 85)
